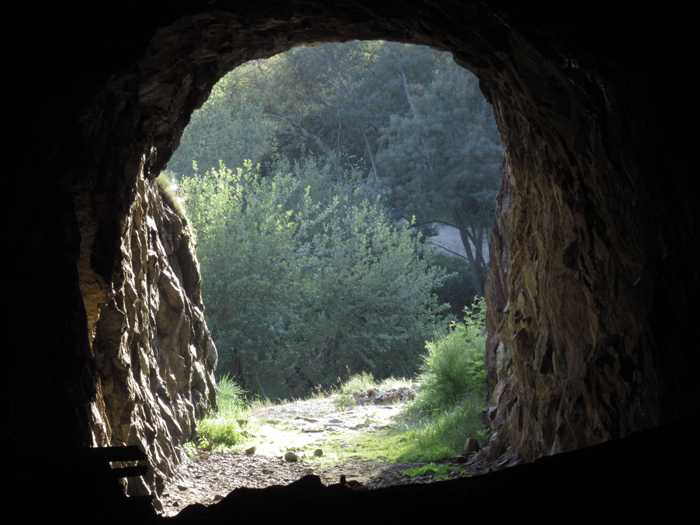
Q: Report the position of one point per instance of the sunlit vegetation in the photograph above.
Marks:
(434, 427)
(299, 292)
(310, 182)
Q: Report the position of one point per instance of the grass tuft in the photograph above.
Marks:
(229, 425)
(453, 387)
(441, 472)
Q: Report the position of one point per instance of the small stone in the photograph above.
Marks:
(250, 450)
(318, 452)
(290, 456)
(472, 445)
(217, 497)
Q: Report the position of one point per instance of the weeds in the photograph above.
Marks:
(453, 385)
(364, 381)
(227, 425)
(190, 450)
(344, 401)
(440, 472)
(445, 413)
(454, 366)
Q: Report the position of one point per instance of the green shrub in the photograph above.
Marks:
(230, 396)
(443, 435)
(227, 425)
(453, 385)
(454, 366)
(299, 291)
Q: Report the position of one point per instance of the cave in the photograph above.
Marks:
(592, 289)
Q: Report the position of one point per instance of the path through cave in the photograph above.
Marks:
(305, 427)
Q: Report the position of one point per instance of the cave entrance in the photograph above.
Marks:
(564, 199)
(377, 132)
(591, 297)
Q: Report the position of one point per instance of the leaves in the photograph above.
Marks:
(301, 290)
(305, 275)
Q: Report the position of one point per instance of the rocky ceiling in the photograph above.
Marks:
(594, 282)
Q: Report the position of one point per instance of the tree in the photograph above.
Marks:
(439, 171)
(227, 128)
(299, 291)
(398, 120)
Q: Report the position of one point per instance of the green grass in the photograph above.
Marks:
(442, 434)
(433, 428)
(229, 425)
(453, 388)
(363, 381)
(440, 472)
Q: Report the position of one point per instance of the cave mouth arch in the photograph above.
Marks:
(576, 118)
(339, 144)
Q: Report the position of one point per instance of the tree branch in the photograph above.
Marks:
(448, 250)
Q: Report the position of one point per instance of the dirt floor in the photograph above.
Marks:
(212, 475)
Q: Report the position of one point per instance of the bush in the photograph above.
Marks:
(454, 366)
(224, 426)
(453, 386)
(299, 291)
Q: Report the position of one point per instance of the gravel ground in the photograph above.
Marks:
(212, 475)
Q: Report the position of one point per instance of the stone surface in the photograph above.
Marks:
(382, 397)
(471, 445)
(153, 353)
(569, 356)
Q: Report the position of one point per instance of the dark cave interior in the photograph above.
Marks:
(591, 299)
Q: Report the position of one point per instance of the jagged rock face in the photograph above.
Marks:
(568, 362)
(153, 354)
(594, 257)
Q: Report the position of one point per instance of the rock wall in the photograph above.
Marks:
(154, 357)
(578, 255)
(568, 358)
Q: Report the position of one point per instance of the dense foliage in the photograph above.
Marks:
(402, 121)
(300, 291)
(455, 366)
(453, 387)
(306, 276)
